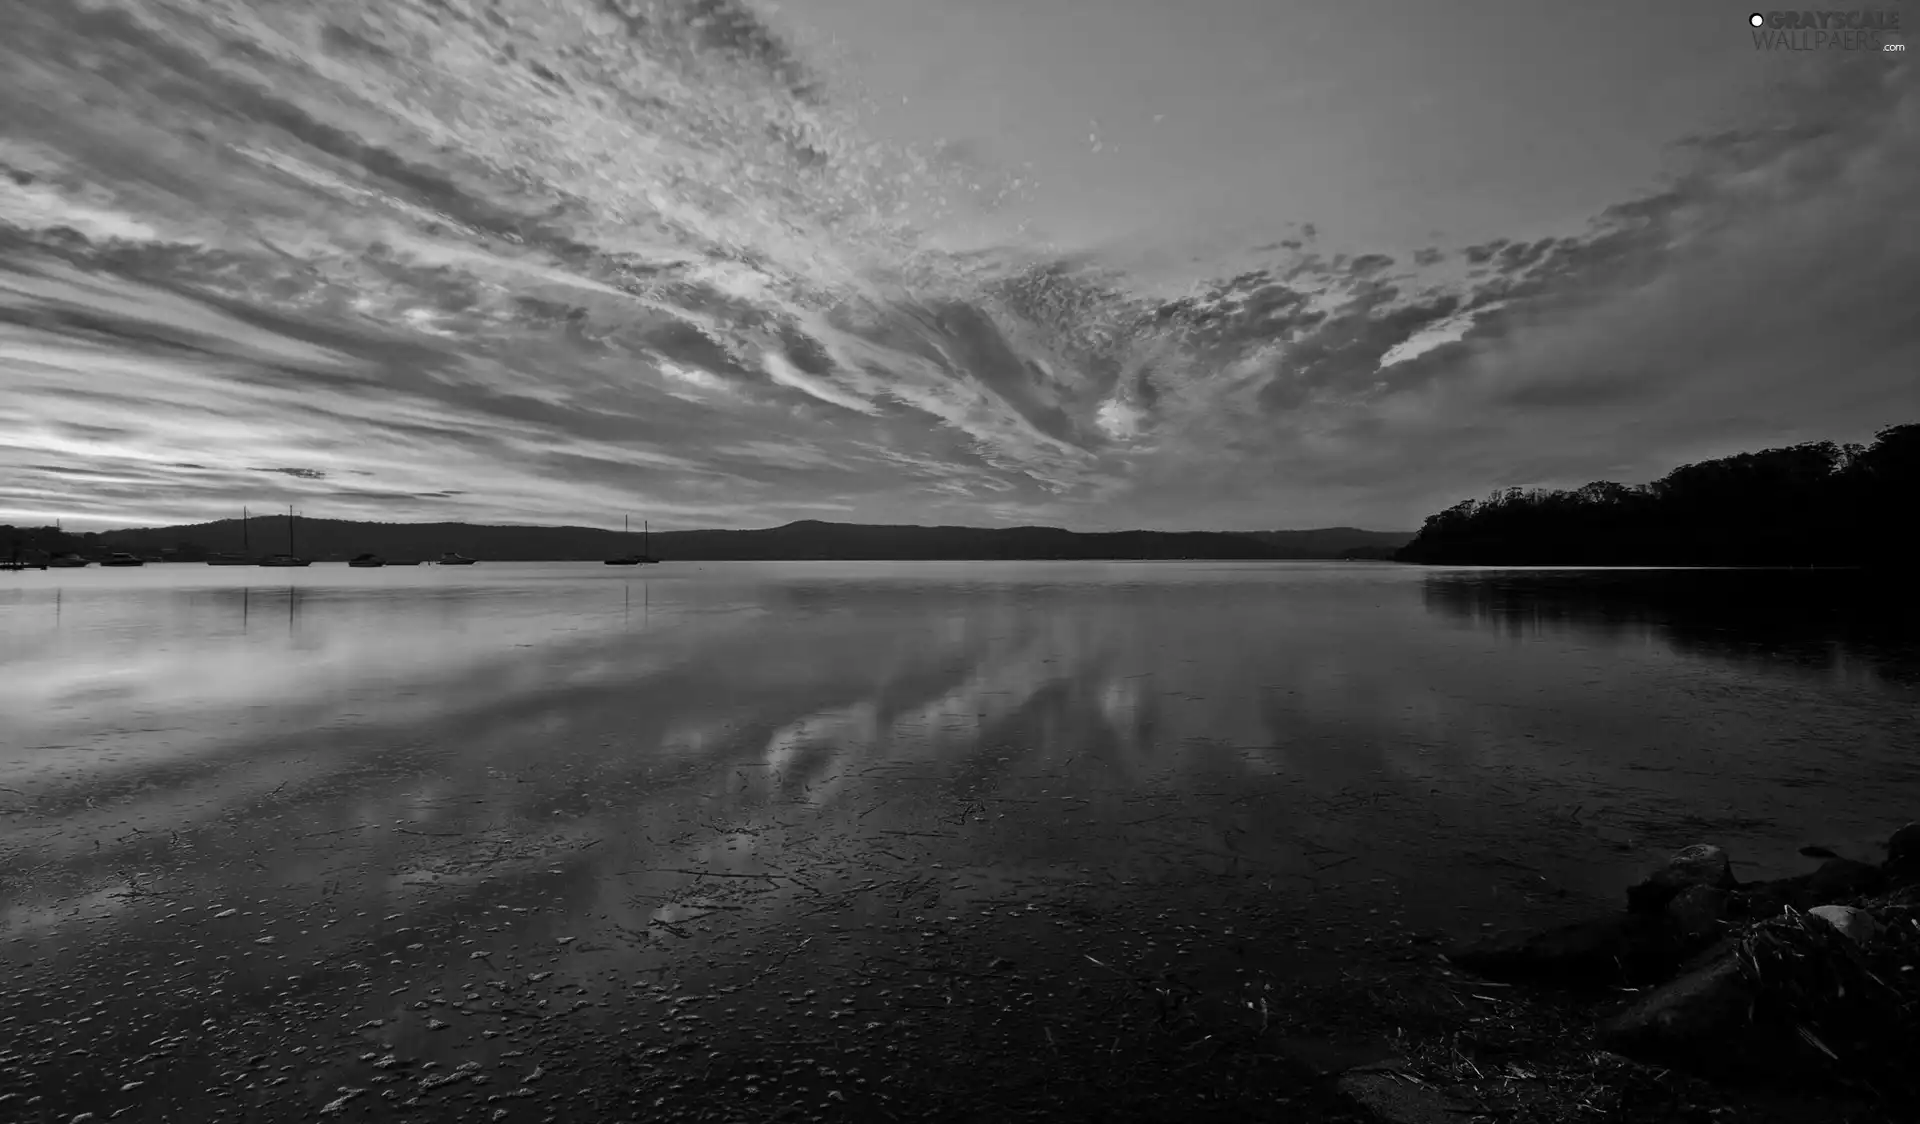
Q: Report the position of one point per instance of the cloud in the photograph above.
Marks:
(1484, 252)
(1702, 319)
(795, 455)
(1119, 418)
(653, 262)
(1343, 351)
(1366, 265)
(783, 371)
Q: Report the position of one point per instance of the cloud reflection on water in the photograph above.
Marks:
(393, 786)
(530, 707)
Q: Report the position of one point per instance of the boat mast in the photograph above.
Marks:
(290, 549)
(246, 549)
(646, 538)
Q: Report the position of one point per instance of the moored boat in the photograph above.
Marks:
(289, 558)
(452, 558)
(631, 559)
(17, 562)
(366, 561)
(122, 558)
(227, 558)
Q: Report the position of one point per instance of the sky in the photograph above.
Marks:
(1177, 264)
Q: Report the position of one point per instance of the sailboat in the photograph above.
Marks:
(19, 563)
(289, 558)
(640, 559)
(244, 558)
(66, 559)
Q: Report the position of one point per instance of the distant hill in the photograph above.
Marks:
(1334, 542)
(337, 539)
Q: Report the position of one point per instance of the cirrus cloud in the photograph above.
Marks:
(591, 257)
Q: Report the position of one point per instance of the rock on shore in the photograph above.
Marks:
(1676, 912)
(1810, 976)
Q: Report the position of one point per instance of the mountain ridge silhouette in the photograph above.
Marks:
(806, 539)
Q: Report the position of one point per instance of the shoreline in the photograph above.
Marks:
(881, 982)
(965, 1035)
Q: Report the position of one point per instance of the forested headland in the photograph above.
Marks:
(1814, 504)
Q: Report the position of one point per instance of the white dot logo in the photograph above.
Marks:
(1757, 20)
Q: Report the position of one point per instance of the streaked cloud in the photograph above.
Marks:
(392, 261)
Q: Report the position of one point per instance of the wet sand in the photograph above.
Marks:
(906, 842)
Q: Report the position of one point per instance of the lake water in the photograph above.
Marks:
(345, 796)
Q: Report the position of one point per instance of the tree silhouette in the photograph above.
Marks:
(1816, 503)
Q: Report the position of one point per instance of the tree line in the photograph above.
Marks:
(1814, 504)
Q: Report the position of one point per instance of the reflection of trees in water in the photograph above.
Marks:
(1825, 620)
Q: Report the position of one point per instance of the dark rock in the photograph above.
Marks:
(1394, 1100)
(1698, 914)
(1757, 901)
(1702, 1021)
(1902, 867)
(1608, 950)
(1843, 880)
(1330, 1057)
(1698, 865)
(1837, 881)
(1708, 955)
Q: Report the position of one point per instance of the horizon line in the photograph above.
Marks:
(736, 530)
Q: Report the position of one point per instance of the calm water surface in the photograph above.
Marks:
(226, 789)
